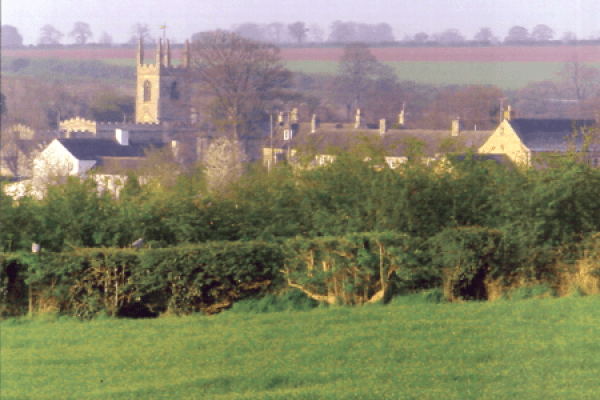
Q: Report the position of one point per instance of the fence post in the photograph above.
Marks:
(35, 248)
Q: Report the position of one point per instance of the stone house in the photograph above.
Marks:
(525, 140)
(318, 139)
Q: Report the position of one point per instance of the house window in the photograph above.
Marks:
(147, 91)
(174, 91)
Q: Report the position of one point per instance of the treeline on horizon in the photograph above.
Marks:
(299, 34)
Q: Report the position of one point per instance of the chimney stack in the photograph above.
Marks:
(357, 119)
(508, 113)
(401, 115)
(122, 137)
(175, 149)
(314, 124)
(382, 126)
(455, 126)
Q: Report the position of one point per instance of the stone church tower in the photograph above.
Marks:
(162, 93)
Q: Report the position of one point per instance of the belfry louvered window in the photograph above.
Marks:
(147, 91)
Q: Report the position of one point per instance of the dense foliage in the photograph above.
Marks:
(549, 207)
(486, 217)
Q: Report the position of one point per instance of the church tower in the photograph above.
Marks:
(162, 93)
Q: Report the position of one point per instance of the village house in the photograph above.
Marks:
(526, 141)
(293, 137)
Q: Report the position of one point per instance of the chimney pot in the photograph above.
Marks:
(122, 137)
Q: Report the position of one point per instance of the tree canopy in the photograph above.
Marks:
(240, 75)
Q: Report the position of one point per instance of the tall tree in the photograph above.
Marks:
(517, 34)
(105, 39)
(569, 36)
(141, 31)
(421, 37)
(298, 31)
(449, 36)
(250, 31)
(580, 81)
(357, 69)
(11, 37)
(276, 31)
(542, 33)
(81, 32)
(317, 33)
(50, 35)
(240, 75)
(342, 32)
(484, 35)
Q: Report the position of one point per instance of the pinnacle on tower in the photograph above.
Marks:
(167, 59)
(140, 54)
(186, 54)
(159, 53)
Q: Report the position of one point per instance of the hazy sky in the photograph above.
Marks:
(185, 17)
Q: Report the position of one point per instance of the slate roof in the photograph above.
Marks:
(550, 134)
(95, 149)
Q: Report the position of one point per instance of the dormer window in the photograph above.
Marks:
(147, 91)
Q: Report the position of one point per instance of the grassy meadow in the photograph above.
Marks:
(538, 347)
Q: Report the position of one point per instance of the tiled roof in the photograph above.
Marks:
(550, 134)
(95, 149)
(393, 142)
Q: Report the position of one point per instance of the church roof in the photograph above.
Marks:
(95, 149)
(550, 134)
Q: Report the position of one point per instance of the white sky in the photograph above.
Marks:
(185, 17)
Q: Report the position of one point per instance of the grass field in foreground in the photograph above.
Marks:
(410, 349)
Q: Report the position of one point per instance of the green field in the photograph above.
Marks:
(538, 348)
(506, 75)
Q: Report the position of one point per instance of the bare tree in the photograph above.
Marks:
(580, 81)
(50, 35)
(542, 33)
(358, 67)
(241, 75)
(298, 31)
(81, 32)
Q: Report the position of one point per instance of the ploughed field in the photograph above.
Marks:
(538, 348)
(509, 67)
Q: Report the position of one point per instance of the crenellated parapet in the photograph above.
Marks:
(78, 124)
